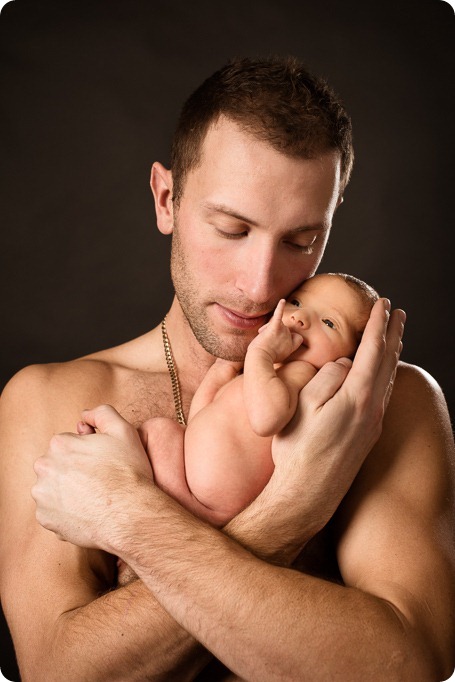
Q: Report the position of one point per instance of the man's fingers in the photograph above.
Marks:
(375, 364)
(370, 352)
(106, 419)
(326, 383)
(394, 346)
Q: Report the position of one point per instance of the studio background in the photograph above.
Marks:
(90, 94)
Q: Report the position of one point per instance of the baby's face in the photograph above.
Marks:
(328, 314)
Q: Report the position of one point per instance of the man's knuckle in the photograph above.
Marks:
(39, 466)
(124, 430)
(57, 442)
(333, 369)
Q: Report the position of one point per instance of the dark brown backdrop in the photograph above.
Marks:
(90, 95)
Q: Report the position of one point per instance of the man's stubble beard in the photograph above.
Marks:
(232, 348)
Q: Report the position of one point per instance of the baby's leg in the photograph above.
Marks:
(163, 442)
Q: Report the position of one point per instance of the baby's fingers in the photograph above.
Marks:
(277, 316)
(276, 319)
(296, 341)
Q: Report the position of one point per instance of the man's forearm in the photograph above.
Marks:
(267, 622)
(123, 635)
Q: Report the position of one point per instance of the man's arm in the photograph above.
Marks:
(64, 618)
(215, 588)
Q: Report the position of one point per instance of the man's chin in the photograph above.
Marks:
(231, 356)
(227, 344)
(232, 349)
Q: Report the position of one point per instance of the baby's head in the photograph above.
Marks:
(330, 312)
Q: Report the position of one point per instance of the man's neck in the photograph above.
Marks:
(191, 360)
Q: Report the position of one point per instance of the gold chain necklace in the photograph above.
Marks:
(173, 374)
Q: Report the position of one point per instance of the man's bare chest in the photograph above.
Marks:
(141, 396)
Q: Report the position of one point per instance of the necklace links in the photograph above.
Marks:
(173, 375)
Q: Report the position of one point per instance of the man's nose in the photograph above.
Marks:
(259, 277)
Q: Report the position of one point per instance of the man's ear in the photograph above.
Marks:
(161, 185)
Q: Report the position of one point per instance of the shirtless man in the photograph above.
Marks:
(259, 166)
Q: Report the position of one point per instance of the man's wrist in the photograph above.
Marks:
(276, 526)
(122, 520)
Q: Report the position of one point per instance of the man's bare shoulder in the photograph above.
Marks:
(418, 404)
(413, 463)
(121, 376)
(416, 422)
(413, 378)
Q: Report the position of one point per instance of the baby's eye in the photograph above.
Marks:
(329, 323)
(294, 301)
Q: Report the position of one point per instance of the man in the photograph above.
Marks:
(344, 565)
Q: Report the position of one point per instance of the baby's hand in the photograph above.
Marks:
(275, 338)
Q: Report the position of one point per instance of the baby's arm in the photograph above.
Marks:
(271, 395)
(219, 374)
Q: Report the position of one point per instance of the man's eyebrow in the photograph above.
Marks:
(222, 208)
(226, 210)
(317, 227)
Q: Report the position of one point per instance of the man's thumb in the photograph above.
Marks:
(106, 419)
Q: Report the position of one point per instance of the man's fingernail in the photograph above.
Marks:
(387, 304)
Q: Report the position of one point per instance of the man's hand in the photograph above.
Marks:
(339, 418)
(275, 338)
(82, 476)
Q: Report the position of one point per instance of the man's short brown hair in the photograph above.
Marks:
(276, 100)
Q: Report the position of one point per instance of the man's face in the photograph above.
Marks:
(252, 224)
(329, 315)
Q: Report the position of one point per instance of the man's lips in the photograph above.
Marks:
(241, 320)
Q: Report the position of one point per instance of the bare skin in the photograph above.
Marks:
(220, 463)
(201, 588)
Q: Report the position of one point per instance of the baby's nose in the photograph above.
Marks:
(299, 320)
